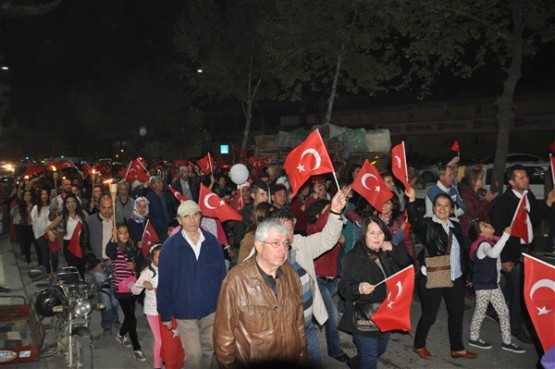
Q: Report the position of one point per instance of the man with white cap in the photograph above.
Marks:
(191, 270)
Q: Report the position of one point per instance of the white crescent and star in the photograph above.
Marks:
(316, 155)
(398, 161)
(547, 283)
(399, 292)
(365, 177)
(206, 198)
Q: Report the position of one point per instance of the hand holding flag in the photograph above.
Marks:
(206, 164)
(394, 312)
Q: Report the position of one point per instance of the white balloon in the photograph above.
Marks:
(239, 174)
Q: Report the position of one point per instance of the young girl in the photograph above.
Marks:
(148, 280)
(122, 253)
(484, 253)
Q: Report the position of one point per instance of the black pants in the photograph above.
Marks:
(47, 255)
(430, 300)
(129, 325)
(74, 261)
(26, 238)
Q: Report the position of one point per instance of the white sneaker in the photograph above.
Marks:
(124, 340)
(140, 356)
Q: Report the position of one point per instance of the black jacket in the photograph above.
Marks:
(435, 239)
(358, 267)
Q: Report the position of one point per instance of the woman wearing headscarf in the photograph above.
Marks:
(136, 225)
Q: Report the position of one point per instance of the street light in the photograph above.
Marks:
(5, 67)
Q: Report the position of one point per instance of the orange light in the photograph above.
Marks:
(53, 168)
(107, 181)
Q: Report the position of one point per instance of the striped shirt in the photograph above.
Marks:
(305, 287)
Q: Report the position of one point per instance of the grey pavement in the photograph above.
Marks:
(109, 354)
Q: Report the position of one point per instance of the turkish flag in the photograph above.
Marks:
(74, 245)
(399, 163)
(171, 351)
(455, 146)
(104, 168)
(134, 171)
(178, 195)
(370, 185)
(539, 295)
(206, 164)
(521, 221)
(63, 164)
(394, 311)
(33, 169)
(309, 158)
(213, 206)
(150, 237)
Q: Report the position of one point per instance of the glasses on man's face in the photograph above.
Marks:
(277, 244)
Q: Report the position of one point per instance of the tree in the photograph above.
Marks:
(335, 45)
(463, 35)
(221, 54)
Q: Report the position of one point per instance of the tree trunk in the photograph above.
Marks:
(505, 113)
(327, 119)
(247, 110)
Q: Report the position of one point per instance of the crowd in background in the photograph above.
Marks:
(331, 248)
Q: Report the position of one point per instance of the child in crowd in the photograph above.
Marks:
(484, 253)
(122, 253)
(148, 280)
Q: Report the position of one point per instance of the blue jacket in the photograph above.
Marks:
(188, 288)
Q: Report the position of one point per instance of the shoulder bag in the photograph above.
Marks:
(438, 268)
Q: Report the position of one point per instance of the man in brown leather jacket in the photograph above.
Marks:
(259, 316)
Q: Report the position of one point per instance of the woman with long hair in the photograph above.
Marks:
(69, 223)
(26, 236)
(39, 218)
(372, 259)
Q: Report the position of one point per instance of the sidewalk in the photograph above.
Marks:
(108, 354)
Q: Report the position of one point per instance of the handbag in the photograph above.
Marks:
(124, 286)
(438, 268)
(362, 316)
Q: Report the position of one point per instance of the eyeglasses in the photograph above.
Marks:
(276, 244)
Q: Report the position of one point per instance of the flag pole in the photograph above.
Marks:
(552, 168)
(405, 161)
(210, 163)
(336, 181)
(391, 276)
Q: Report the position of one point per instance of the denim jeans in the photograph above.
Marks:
(369, 349)
(313, 345)
(47, 255)
(106, 296)
(328, 289)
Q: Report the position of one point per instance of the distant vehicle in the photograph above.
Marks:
(514, 158)
(429, 171)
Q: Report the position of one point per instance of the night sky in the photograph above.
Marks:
(110, 49)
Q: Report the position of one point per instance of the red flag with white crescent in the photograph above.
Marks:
(394, 311)
(309, 158)
(399, 163)
(178, 195)
(150, 237)
(520, 224)
(370, 185)
(171, 351)
(206, 164)
(214, 206)
(74, 245)
(539, 295)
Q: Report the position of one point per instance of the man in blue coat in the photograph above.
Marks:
(191, 271)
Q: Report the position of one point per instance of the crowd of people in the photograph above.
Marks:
(253, 291)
